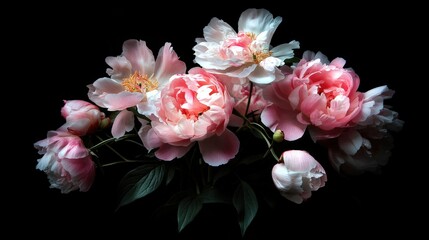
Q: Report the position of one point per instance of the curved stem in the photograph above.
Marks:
(109, 140)
(264, 135)
(114, 163)
(137, 114)
(106, 142)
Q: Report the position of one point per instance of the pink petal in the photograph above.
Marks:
(121, 67)
(169, 152)
(124, 122)
(338, 62)
(81, 170)
(140, 56)
(122, 100)
(108, 85)
(77, 127)
(275, 118)
(149, 138)
(168, 64)
(218, 150)
(299, 161)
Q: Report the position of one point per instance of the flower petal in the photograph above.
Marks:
(140, 56)
(169, 152)
(124, 122)
(168, 64)
(276, 118)
(218, 150)
(350, 142)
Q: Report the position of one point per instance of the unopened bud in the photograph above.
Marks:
(105, 122)
(278, 136)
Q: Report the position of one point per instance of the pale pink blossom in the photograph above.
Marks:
(297, 175)
(246, 53)
(135, 81)
(315, 93)
(239, 89)
(66, 161)
(194, 108)
(82, 117)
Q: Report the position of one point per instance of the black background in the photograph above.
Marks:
(61, 49)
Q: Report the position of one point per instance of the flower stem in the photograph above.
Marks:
(109, 140)
(264, 135)
(106, 142)
(114, 163)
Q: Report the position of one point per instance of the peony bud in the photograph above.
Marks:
(298, 175)
(278, 136)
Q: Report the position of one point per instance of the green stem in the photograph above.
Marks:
(105, 142)
(109, 140)
(114, 163)
(135, 142)
(264, 135)
(137, 114)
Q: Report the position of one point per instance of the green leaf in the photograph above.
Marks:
(214, 195)
(149, 179)
(188, 209)
(170, 174)
(133, 176)
(246, 204)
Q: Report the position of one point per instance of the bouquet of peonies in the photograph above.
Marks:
(214, 132)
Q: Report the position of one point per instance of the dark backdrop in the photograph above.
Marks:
(64, 48)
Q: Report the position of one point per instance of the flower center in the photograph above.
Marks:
(139, 83)
(259, 50)
(260, 55)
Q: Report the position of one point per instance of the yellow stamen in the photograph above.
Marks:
(251, 35)
(139, 83)
(259, 56)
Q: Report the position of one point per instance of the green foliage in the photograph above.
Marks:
(246, 204)
(141, 181)
(188, 209)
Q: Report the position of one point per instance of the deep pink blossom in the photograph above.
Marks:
(315, 93)
(195, 108)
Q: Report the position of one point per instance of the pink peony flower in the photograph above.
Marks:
(66, 161)
(195, 107)
(298, 175)
(247, 53)
(135, 81)
(82, 117)
(317, 93)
